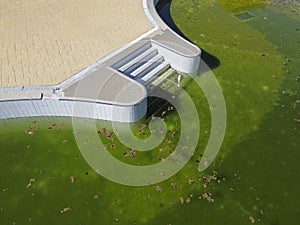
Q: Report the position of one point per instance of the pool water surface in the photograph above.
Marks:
(256, 175)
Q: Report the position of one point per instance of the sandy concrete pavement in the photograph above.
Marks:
(44, 42)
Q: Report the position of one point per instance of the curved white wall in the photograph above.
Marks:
(50, 107)
(182, 55)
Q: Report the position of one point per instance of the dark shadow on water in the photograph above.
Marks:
(164, 10)
(156, 106)
(210, 60)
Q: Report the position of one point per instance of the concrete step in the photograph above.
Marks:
(160, 79)
(156, 71)
(131, 56)
(138, 61)
(147, 66)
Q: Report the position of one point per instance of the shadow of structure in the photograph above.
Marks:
(164, 10)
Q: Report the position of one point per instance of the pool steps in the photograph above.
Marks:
(142, 64)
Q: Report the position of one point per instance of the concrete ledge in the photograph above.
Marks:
(106, 86)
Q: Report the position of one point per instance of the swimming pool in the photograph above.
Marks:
(255, 176)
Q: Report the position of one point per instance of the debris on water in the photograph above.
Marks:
(31, 181)
(175, 186)
(208, 196)
(112, 146)
(190, 181)
(159, 188)
(161, 159)
(117, 219)
(188, 200)
(168, 141)
(173, 133)
(73, 179)
(210, 178)
(60, 126)
(141, 129)
(65, 141)
(133, 153)
(181, 200)
(66, 209)
(110, 138)
(170, 108)
(96, 196)
(163, 174)
(29, 132)
(109, 135)
(51, 126)
(252, 220)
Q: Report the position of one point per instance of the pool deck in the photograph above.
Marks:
(90, 59)
(45, 42)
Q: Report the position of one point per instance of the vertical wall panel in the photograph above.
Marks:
(49, 107)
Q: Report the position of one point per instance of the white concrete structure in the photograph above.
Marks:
(112, 88)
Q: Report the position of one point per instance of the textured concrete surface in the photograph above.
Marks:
(44, 42)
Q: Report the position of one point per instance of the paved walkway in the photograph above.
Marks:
(44, 42)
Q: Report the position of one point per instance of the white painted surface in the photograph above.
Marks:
(50, 107)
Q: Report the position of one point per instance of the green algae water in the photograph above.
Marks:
(255, 178)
